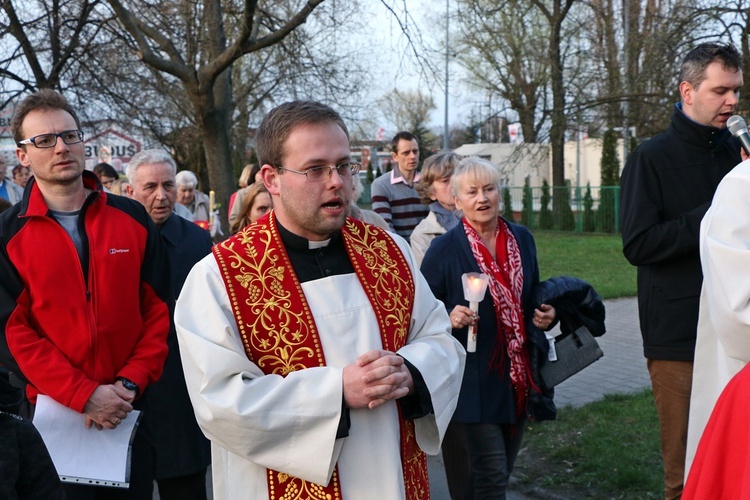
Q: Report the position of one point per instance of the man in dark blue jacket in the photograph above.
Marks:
(667, 186)
(177, 454)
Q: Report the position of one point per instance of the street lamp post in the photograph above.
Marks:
(446, 142)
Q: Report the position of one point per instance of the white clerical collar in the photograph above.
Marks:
(314, 245)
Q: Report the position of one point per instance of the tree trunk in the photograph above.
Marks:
(214, 121)
(557, 131)
(744, 105)
(213, 102)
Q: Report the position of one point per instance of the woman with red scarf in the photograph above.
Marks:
(492, 407)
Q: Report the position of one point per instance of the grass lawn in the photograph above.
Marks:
(610, 448)
(606, 449)
(595, 258)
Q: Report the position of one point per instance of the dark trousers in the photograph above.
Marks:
(456, 462)
(493, 449)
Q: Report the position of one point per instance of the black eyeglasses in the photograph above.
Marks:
(50, 140)
(324, 172)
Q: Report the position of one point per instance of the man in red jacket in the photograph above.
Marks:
(85, 293)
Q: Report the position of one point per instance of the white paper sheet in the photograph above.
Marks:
(81, 455)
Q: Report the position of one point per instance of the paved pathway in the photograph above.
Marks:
(622, 369)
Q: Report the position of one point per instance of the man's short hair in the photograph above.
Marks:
(186, 179)
(693, 69)
(403, 135)
(441, 164)
(148, 157)
(42, 100)
(278, 124)
(101, 169)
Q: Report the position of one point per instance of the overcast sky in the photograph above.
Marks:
(398, 66)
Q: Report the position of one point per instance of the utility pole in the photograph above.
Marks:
(446, 142)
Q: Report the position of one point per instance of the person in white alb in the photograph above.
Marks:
(722, 346)
(318, 361)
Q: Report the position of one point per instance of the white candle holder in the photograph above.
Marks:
(475, 287)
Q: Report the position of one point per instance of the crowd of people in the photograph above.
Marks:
(321, 349)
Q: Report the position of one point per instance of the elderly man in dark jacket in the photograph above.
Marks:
(178, 453)
(667, 186)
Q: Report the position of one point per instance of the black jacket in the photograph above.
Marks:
(576, 304)
(180, 448)
(667, 186)
(26, 469)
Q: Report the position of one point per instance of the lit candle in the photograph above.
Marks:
(475, 286)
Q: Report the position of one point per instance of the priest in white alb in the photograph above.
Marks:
(318, 362)
(722, 346)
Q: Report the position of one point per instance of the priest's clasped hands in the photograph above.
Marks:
(376, 377)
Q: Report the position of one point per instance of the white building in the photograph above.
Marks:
(516, 162)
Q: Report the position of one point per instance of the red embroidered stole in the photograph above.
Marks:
(279, 331)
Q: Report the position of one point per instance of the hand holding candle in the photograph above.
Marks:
(475, 286)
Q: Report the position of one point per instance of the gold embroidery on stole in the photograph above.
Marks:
(386, 278)
(279, 333)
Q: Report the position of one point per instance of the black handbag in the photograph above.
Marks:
(575, 352)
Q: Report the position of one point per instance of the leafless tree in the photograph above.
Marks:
(188, 41)
(228, 59)
(499, 44)
(41, 43)
(410, 111)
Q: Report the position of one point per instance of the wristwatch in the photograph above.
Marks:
(129, 385)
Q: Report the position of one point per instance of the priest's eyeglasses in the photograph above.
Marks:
(324, 172)
(50, 140)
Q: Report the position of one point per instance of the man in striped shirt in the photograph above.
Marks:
(393, 195)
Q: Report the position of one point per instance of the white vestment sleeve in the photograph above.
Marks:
(436, 354)
(722, 346)
(286, 424)
(725, 258)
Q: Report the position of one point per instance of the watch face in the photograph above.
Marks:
(129, 384)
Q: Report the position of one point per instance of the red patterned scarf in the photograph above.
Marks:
(506, 286)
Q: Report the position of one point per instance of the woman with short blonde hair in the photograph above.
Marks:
(494, 401)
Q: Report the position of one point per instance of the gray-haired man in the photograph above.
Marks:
(177, 454)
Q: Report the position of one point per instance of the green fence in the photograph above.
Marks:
(580, 210)
(595, 209)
